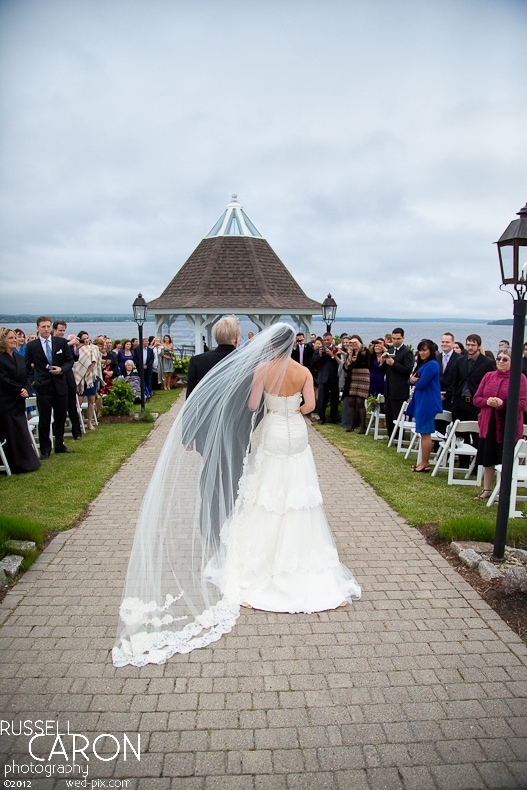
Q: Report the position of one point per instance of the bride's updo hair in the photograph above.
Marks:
(282, 341)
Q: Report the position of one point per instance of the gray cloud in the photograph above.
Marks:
(378, 146)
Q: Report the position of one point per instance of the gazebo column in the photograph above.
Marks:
(303, 322)
(201, 324)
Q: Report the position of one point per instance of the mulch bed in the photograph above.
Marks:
(511, 608)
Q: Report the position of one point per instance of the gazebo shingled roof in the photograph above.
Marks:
(233, 270)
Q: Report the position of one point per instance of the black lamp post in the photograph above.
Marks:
(512, 249)
(329, 311)
(140, 310)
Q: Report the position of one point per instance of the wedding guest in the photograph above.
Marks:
(342, 356)
(132, 377)
(124, 355)
(20, 342)
(109, 364)
(59, 330)
(325, 362)
(145, 357)
(397, 366)
(14, 431)
(459, 348)
(317, 345)
(87, 370)
(376, 374)
(357, 386)
(491, 400)
(157, 376)
(426, 399)
(302, 352)
(166, 361)
(48, 360)
(447, 360)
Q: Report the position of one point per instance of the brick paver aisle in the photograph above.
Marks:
(419, 685)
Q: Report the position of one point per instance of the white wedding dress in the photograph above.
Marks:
(280, 553)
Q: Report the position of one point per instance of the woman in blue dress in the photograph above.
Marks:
(426, 399)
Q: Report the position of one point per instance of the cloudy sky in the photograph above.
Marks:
(379, 146)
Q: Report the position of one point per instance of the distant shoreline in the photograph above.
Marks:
(113, 318)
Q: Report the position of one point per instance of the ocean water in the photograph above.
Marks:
(183, 335)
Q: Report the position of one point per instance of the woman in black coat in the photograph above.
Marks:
(18, 447)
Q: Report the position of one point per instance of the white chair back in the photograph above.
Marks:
(4, 465)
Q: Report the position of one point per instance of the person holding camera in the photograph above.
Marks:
(357, 385)
(397, 365)
(326, 365)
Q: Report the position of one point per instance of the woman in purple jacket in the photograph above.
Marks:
(426, 399)
(491, 399)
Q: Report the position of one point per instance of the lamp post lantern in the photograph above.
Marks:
(512, 251)
(329, 311)
(140, 309)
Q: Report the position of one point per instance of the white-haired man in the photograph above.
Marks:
(227, 336)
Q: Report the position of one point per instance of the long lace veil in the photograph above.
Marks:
(169, 604)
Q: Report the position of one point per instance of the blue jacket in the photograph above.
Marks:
(426, 400)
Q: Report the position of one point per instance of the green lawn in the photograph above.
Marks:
(58, 494)
(419, 498)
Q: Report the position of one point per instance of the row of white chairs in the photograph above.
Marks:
(450, 448)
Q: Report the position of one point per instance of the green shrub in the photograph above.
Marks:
(181, 365)
(468, 529)
(120, 399)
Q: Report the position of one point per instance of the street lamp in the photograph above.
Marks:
(140, 309)
(329, 311)
(512, 250)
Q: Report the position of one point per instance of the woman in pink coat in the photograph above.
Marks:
(491, 399)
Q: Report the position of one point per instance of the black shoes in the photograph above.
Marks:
(63, 450)
(44, 456)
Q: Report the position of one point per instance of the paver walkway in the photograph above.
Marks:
(419, 685)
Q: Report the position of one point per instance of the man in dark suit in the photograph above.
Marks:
(326, 365)
(470, 369)
(59, 330)
(397, 365)
(447, 363)
(48, 359)
(227, 336)
(302, 352)
(146, 359)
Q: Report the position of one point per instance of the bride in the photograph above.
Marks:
(274, 551)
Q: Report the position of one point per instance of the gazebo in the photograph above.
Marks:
(232, 271)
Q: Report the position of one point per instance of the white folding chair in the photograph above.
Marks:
(437, 436)
(375, 419)
(454, 447)
(519, 478)
(32, 422)
(400, 426)
(4, 465)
